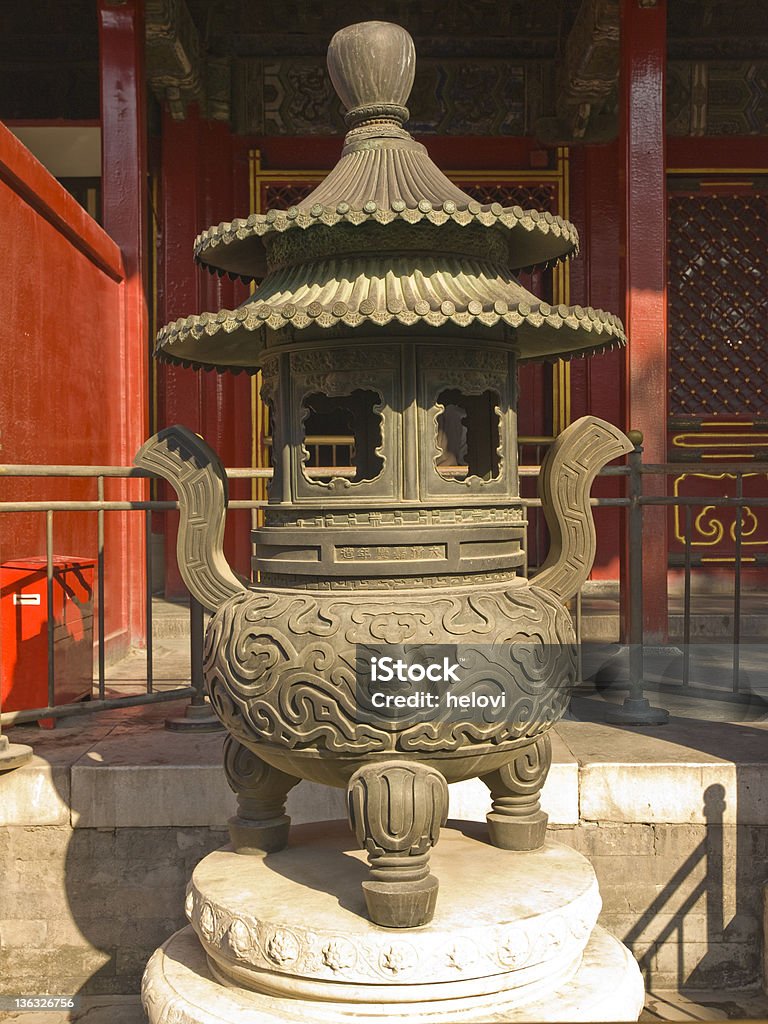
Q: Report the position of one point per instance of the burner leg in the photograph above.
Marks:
(516, 821)
(261, 824)
(396, 809)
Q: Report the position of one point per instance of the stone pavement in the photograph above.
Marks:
(704, 1005)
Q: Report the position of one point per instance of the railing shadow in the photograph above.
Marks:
(702, 929)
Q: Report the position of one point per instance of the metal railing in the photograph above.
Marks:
(741, 504)
(99, 507)
(634, 501)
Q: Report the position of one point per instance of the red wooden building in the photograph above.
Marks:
(643, 122)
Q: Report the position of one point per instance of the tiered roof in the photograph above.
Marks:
(386, 238)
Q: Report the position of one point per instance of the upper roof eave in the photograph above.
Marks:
(535, 239)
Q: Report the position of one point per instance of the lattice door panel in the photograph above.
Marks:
(281, 196)
(718, 305)
(530, 197)
(718, 373)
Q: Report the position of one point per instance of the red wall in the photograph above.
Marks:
(63, 398)
(203, 181)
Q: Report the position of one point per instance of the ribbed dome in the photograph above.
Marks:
(403, 290)
(383, 174)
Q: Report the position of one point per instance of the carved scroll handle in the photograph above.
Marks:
(565, 482)
(193, 469)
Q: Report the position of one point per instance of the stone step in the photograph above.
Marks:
(170, 619)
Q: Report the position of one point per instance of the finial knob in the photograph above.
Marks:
(372, 65)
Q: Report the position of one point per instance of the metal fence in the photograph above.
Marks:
(732, 646)
(632, 503)
(100, 507)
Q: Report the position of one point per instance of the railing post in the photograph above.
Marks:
(198, 715)
(636, 709)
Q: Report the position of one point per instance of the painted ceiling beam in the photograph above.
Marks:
(587, 78)
(174, 66)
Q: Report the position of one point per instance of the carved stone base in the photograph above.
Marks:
(180, 987)
(286, 938)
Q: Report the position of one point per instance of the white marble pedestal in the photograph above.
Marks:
(284, 937)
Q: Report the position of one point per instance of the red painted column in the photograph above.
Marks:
(124, 203)
(217, 292)
(597, 381)
(198, 174)
(642, 142)
(223, 394)
(179, 389)
(577, 270)
(181, 219)
(605, 373)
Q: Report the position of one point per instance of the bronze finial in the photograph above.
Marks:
(372, 66)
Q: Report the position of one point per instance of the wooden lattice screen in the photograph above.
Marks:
(718, 305)
(543, 197)
(718, 373)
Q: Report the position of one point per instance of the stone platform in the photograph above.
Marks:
(101, 831)
(285, 937)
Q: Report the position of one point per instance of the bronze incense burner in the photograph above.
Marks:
(387, 309)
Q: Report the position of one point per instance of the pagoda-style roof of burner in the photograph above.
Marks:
(385, 239)
(379, 189)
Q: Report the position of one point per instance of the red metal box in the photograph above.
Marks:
(24, 632)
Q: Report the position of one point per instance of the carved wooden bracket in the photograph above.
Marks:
(173, 55)
(587, 78)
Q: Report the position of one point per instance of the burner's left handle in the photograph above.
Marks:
(197, 476)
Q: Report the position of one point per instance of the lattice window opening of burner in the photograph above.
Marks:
(329, 454)
(718, 304)
(468, 435)
(342, 436)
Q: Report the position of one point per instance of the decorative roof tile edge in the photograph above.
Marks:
(567, 357)
(261, 315)
(259, 224)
